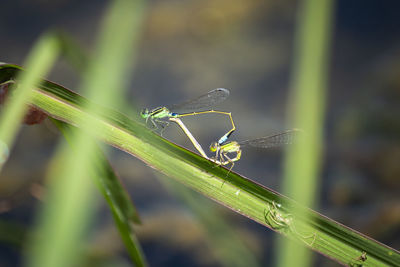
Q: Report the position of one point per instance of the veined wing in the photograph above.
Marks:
(284, 138)
(204, 101)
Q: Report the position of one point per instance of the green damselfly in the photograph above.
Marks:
(161, 115)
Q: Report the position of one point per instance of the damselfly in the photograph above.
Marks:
(161, 115)
(233, 147)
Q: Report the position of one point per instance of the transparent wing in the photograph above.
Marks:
(204, 101)
(284, 138)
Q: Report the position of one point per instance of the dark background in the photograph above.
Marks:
(190, 47)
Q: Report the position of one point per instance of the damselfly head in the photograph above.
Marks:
(144, 113)
(213, 146)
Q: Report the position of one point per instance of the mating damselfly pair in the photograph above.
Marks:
(226, 152)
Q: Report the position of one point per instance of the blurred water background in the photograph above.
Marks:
(188, 48)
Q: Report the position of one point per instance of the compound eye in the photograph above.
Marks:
(144, 112)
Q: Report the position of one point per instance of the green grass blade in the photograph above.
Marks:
(108, 182)
(113, 58)
(73, 53)
(64, 218)
(123, 211)
(67, 213)
(232, 190)
(39, 62)
(308, 85)
(225, 243)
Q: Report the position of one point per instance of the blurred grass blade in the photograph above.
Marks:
(74, 54)
(117, 197)
(228, 188)
(308, 85)
(109, 184)
(65, 215)
(71, 193)
(39, 62)
(113, 58)
(225, 243)
(122, 208)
